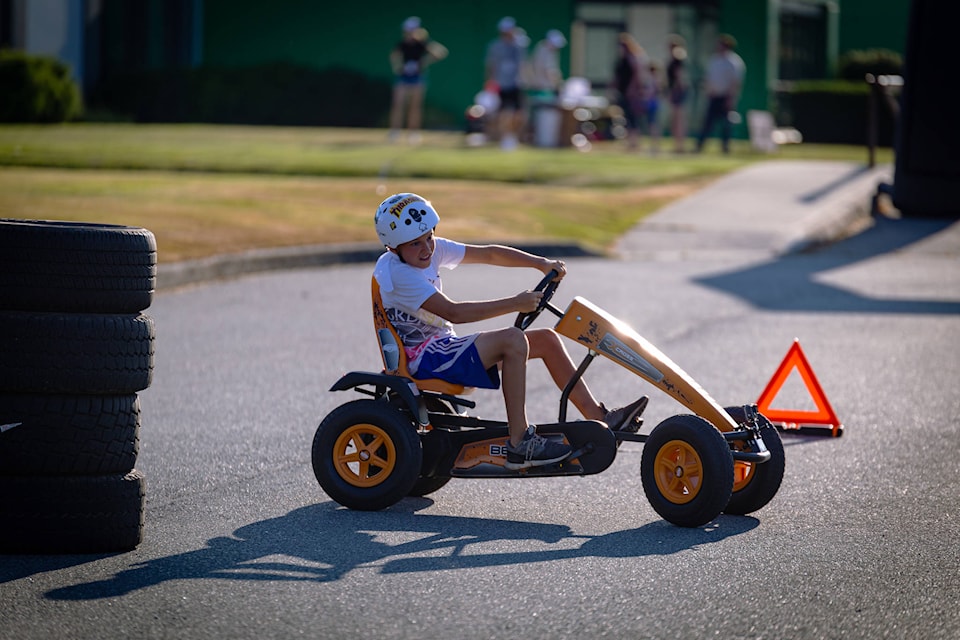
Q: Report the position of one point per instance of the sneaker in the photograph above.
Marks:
(626, 418)
(534, 451)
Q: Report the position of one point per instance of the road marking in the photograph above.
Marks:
(6, 427)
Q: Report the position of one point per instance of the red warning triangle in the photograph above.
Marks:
(792, 419)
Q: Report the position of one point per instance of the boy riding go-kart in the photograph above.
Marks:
(413, 435)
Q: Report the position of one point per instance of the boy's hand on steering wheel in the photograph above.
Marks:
(555, 265)
(528, 301)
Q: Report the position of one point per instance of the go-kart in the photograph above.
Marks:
(411, 437)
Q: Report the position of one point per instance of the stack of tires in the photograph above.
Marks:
(75, 348)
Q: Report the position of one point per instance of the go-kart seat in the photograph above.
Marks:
(388, 338)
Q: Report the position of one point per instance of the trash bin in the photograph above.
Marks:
(547, 116)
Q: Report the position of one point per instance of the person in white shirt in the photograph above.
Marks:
(722, 83)
(545, 74)
(408, 274)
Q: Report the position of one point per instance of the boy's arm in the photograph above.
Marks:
(502, 256)
(475, 311)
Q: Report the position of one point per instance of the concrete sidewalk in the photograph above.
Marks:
(774, 207)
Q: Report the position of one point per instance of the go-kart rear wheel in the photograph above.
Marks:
(425, 486)
(754, 485)
(366, 455)
(687, 470)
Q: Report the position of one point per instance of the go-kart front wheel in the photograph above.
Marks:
(366, 455)
(754, 485)
(687, 471)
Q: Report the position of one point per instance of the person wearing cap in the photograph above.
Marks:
(504, 63)
(409, 59)
(545, 74)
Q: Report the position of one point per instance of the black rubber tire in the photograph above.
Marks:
(425, 486)
(75, 353)
(68, 434)
(766, 478)
(385, 485)
(715, 469)
(73, 267)
(71, 514)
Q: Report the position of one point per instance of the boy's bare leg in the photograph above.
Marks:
(545, 344)
(509, 348)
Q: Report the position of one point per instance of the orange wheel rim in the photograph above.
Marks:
(742, 474)
(364, 455)
(742, 471)
(678, 472)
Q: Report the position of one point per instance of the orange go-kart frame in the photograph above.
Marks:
(412, 436)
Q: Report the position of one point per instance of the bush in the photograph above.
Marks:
(36, 89)
(272, 94)
(832, 111)
(855, 65)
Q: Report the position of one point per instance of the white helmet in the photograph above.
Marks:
(404, 217)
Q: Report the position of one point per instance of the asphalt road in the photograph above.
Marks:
(861, 541)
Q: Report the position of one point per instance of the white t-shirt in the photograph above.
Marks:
(404, 289)
(725, 72)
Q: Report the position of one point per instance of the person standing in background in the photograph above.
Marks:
(652, 88)
(504, 64)
(678, 91)
(723, 82)
(545, 75)
(409, 60)
(629, 71)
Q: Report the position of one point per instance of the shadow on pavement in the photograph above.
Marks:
(789, 283)
(324, 542)
(841, 181)
(18, 566)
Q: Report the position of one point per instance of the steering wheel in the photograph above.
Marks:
(548, 285)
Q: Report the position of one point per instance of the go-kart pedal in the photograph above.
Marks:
(535, 451)
(627, 418)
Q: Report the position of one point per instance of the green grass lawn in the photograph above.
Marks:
(206, 189)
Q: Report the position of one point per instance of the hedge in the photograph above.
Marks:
(856, 64)
(36, 89)
(833, 111)
(275, 94)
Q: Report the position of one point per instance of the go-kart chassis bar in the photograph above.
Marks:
(754, 439)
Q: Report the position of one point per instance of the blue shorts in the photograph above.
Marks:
(410, 79)
(456, 360)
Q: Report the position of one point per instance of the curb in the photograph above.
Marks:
(847, 211)
(842, 208)
(232, 265)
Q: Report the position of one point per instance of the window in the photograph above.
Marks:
(803, 41)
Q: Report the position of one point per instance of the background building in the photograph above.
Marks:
(109, 41)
